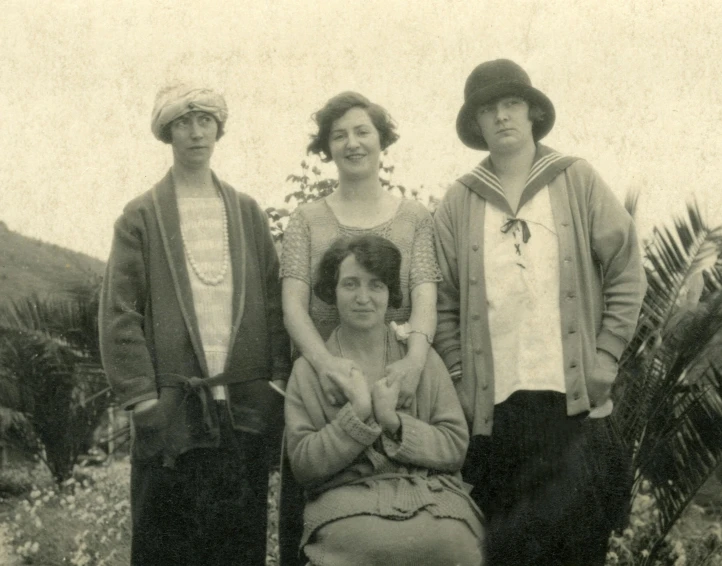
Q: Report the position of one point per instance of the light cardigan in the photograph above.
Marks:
(149, 338)
(348, 467)
(602, 282)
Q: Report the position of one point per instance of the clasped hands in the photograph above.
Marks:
(405, 372)
(599, 384)
(378, 399)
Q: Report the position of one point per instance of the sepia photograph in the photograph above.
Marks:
(319, 283)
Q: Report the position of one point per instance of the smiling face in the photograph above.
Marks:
(193, 137)
(361, 297)
(505, 124)
(355, 145)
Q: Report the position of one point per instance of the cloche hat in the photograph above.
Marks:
(490, 81)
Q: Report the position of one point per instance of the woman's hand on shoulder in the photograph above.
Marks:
(385, 395)
(406, 372)
(353, 387)
(334, 371)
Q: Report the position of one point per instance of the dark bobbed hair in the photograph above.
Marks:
(167, 137)
(335, 108)
(377, 255)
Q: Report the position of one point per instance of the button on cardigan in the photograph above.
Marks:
(149, 329)
(602, 282)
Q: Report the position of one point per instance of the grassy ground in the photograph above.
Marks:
(86, 522)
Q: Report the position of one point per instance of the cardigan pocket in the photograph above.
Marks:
(148, 431)
(256, 408)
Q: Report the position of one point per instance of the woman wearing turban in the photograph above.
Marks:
(191, 333)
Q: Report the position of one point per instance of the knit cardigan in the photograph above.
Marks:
(348, 467)
(149, 338)
(602, 284)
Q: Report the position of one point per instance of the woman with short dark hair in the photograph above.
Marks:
(382, 483)
(336, 108)
(353, 131)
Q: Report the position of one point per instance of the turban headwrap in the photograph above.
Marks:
(175, 101)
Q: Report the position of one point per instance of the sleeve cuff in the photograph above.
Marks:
(131, 403)
(455, 372)
(408, 442)
(364, 433)
(452, 358)
(610, 343)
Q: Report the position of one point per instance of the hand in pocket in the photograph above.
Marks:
(599, 383)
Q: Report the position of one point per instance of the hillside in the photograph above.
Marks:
(31, 266)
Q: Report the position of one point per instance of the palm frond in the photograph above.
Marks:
(676, 418)
(682, 446)
(72, 322)
(713, 279)
(675, 264)
(669, 405)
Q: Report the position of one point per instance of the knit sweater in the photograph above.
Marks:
(149, 338)
(602, 283)
(348, 467)
(313, 227)
(202, 225)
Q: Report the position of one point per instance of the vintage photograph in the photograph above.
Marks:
(432, 283)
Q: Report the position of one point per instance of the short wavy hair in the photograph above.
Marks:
(335, 108)
(377, 255)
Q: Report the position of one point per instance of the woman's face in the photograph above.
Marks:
(355, 145)
(505, 124)
(361, 297)
(193, 137)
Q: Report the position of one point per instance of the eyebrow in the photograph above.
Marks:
(353, 128)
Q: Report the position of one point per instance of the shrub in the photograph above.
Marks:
(19, 479)
(695, 539)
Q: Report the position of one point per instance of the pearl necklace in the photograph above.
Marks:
(209, 279)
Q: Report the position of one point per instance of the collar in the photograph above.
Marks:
(547, 164)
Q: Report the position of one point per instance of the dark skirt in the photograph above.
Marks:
(210, 509)
(553, 487)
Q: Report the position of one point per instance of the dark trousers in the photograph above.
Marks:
(208, 510)
(552, 487)
(290, 516)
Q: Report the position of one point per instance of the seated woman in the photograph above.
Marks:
(382, 484)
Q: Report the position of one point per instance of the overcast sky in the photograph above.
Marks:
(637, 87)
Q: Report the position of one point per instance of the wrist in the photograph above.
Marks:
(417, 356)
(362, 409)
(320, 360)
(418, 346)
(391, 423)
(606, 360)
